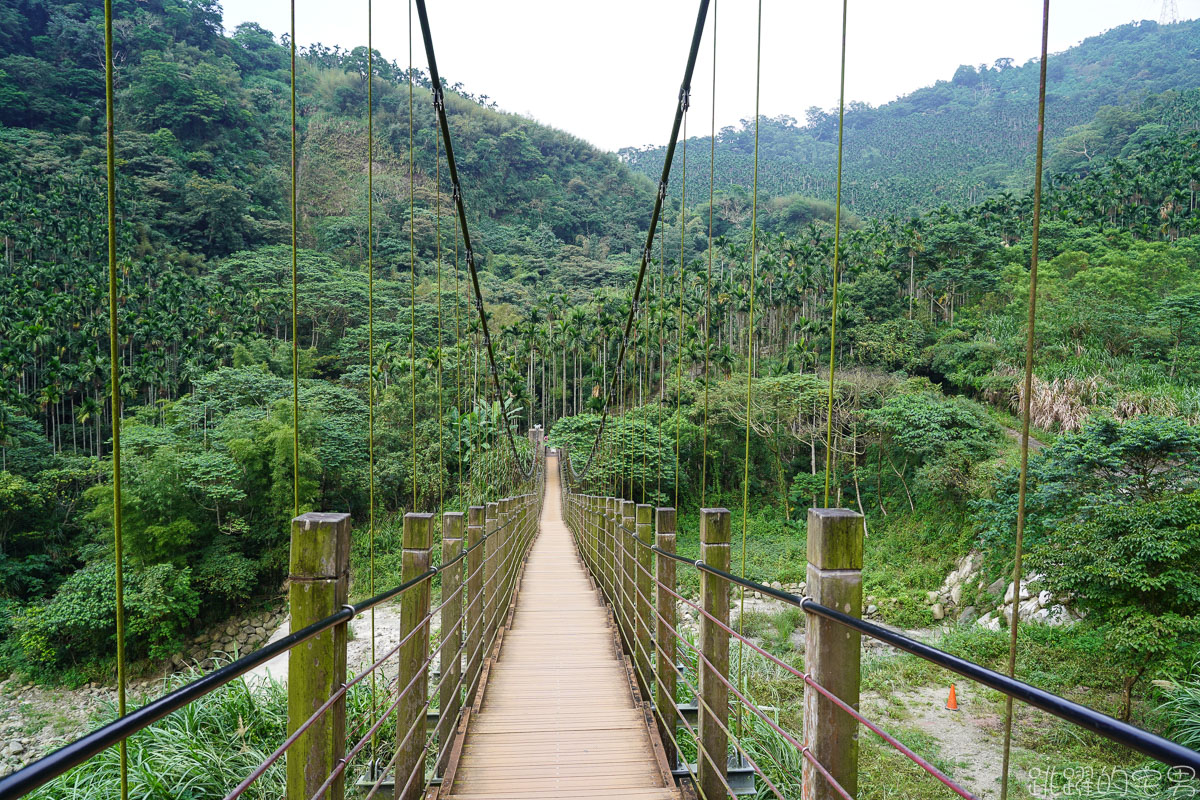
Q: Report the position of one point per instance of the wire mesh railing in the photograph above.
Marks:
(431, 681)
(630, 551)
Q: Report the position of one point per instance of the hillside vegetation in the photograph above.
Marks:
(934, 277)
(964, 138)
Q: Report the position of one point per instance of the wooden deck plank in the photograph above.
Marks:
(558, 718)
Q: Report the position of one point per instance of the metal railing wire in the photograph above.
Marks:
(607, 558)
(525, 519)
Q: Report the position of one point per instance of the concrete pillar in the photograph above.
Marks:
(831, 651)
(664, 658)
(450, 696)
(714, 643)
(319, 585)
(414, 610)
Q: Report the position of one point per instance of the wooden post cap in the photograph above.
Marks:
(835, 538)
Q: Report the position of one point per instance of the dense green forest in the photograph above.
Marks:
(934, 271)
(962, 139)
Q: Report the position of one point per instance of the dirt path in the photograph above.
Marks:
(969, 740)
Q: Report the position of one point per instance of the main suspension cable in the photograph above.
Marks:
(685, 90)
(439, 103)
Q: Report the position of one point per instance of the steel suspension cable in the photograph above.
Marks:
(295, 307)
(412, 266)
(662, 327)
(750, 348)
(712, 157)
(837, 241)
(114, 364)
(439, 104)
(437, 157)
(1026, 399)
(679, 332)
(684, 93)
(459, 395)
(371, 343)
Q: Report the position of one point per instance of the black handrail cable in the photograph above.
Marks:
(439, 104)
(1157, 747)
(685, 91)
(73, 754)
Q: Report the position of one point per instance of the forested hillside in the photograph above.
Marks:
(934, 271)
(203, 140)
(964, 138)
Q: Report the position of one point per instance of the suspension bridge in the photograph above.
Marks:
(551, 649)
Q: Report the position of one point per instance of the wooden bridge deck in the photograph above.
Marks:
(558, 717)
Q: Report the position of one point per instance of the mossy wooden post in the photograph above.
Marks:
(664, 658)
(832, 651)
(450, 694)
(474, 611)
(594, 525)
(414, 610)
(644, 581)
(319, 586)
(506, 530)
(712, 765)
(610, 553)
(627, 549)
(491, 563)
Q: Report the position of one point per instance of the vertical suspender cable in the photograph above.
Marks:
(662, 328)
(458, 394)
(750, 346)
(295, 310)
(712, 157)
(412, 267)
(437, 157)
(647, 249)
(114, 356)
(1027, 397)
(679, 333)
(837, 242)
(371, 349)
(452, 169)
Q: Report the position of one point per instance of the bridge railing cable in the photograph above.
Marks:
(489, 559)
(621, 558)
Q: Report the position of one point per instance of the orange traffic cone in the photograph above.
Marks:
(952, 703)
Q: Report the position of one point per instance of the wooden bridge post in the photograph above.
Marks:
(450, 697)
(627, 550)
(595, 517)
(491, 561)
(319, 585)
(474, 615)
(612, 564)
(644, 581)
(831, 651)
(506, 529)
(414, 612)
(712, 764)
(664, 659)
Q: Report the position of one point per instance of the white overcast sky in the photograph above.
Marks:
(608, 71)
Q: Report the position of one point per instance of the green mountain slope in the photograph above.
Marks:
(962, 139)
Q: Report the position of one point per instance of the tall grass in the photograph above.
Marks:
(207, 748)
